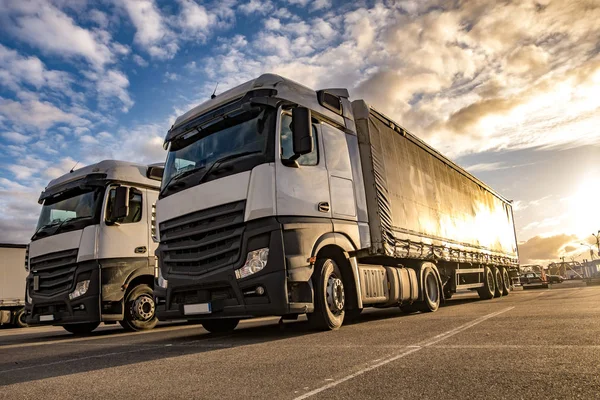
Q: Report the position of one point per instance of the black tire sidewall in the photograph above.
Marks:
(220, 325)
(486, 292)
(428, 304)
(498, 284)
(506, 282)
(83, 328)
(20, 319)
(323, 317)
(129, 322)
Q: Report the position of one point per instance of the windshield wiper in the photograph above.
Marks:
(43, 227)
(70, 220)
(177, 177)
(222, 160)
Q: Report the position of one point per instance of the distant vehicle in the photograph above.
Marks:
(91, 259)
(12, 284)
(555, 279)
(532, 279)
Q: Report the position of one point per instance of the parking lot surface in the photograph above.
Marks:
(530, 344)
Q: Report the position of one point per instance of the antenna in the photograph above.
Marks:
(71, 171)
(212, 96)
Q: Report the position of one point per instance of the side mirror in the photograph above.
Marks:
(302, 131)
(120, 207)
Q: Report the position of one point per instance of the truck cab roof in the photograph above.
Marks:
(110, 170)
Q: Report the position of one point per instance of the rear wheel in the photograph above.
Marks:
(487, 291)
(330, 297)
(82, 328)
(506, 282)
(431, 291)
(139, 309)
(497, 282)
(220, 325)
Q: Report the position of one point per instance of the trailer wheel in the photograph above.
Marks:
(431, 291)
(139, 309)
(497, 282)
(506, 282)
(20, 318)
(487, 291)
(220, 325)
(81, 329)
(330, 298)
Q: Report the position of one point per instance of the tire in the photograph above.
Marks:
(139, 309)
(431, 291)
(220, 325)
(83, 328)
(20, 319)
(487, 291)
(330, 296)
(506, 282)
(497, 282)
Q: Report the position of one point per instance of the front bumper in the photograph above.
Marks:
(233, 298)
(58, 309)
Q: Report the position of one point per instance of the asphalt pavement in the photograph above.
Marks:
(531, 344)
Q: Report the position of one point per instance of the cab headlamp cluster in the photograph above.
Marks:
(80, 289)
(255, 261)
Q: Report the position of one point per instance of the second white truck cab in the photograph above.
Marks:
(91, 258)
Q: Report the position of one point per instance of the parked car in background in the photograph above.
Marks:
(554, 279)
(532, 279)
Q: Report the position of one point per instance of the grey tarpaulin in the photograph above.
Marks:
(422, 205)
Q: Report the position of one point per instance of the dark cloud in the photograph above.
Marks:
(540, 249)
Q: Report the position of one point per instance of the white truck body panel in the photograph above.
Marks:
(12, 275)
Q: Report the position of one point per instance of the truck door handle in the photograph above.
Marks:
(140, 250)
(323, 206)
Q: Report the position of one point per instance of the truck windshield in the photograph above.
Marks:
(75, 205)
(241, 132)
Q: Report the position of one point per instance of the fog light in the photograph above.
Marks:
(255, 261)
(80, 289)
(260, 290)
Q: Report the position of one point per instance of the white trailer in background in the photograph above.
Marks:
(12, 284)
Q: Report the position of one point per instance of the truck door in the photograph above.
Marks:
(337, 157)
(302, 191)
(129, 237)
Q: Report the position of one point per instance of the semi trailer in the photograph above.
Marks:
(12, 284)
(91, 258)
(281, 200)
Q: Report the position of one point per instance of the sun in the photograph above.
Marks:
(584, 207)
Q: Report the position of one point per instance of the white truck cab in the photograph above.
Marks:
(91, 258)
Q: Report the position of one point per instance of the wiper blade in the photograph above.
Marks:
(70, 220)
(223, 159)
(177, 177)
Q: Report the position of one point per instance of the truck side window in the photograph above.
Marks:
(287, 146)
(135, 206)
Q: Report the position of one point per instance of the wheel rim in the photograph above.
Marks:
(335, 294)
(143, 308)
(22, 319)
(432, 288)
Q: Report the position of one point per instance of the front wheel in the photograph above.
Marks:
(139, 309)
(81, 329)
(220, 325)
(330, 297)
(20, 319)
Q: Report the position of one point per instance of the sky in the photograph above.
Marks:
(510, 90)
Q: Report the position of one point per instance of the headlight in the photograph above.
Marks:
(80, 289)
(255, 261)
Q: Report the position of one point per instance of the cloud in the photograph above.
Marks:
(15, 137)
(542, 250)
(256, 7)
(139, 60)
(38, 114)
(44, 26)
(152, 31)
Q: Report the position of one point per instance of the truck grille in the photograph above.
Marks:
(202, 241)
(54, 272)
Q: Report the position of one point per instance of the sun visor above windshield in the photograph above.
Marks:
(88, 180)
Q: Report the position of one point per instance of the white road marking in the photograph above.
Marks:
(424, 344)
